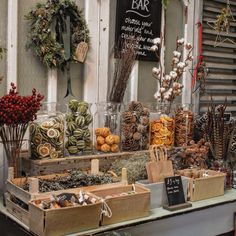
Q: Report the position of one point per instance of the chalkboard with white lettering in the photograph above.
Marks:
(174, 190)
(139, 18)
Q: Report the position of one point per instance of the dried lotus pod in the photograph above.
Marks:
(105, 148)
(100, 140)
(110, 139)
(73, 105)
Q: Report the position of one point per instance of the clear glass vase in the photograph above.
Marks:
(184, 124)
(135, 127)
(107, 127)
(47, 133)
(162, 124)
(79, 128)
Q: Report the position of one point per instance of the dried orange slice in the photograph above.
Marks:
(53, 155)
(52, 133)
(44, 151)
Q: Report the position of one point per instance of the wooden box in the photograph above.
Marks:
(124, 207)
(67, 220)
(158, 192)
(207, 187)
(17, 211)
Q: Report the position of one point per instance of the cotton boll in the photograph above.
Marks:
(156, 41)
(177, 54)
(180, 41)
(156, 72)
(168, 77)
(162, 90)
(173, 74)
(154, 48)
(181, 65)
(175, 60)
(157, 95)
(188, 46)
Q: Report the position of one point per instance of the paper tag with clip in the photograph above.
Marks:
(81, 52)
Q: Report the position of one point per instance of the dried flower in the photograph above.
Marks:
(180, 41)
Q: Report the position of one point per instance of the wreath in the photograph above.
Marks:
(57, 27)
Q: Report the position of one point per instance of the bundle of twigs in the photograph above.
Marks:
(217, 131)
(123, 68)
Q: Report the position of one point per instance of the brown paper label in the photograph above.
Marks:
(81, 52)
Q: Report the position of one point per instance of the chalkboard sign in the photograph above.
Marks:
(174, 190)
(139, 18)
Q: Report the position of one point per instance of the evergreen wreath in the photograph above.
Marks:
(48, 34)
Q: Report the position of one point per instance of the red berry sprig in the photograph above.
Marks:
(16, 109)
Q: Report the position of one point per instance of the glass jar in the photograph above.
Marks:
(107, 127)
(47, 133)
(162, 125)
(79, 128)
(184, 123)
(135, 127)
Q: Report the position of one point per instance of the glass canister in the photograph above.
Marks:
(79, 128)
(184, 124)
(107, 127)
(162, 124)
(135, 127)
(47, 133)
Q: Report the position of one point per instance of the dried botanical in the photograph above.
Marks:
(123, 68)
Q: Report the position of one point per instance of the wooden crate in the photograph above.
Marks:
(14, 187)
(207, 187)
(83, 163)
(67, 220)
(125, 207)
(17, 211)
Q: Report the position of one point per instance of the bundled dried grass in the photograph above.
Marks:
(123, 68)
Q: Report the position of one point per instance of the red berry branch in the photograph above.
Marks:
(15, 114)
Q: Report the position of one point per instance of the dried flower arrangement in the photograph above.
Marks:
(169, 84)
(15, 114)
(123, 68)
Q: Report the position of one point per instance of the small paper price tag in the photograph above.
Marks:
(81, 52)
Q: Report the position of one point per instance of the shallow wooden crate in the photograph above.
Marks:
(17, 211)
(50, 166)
(125, 207)
(14, 187)
(67, 220)
(207, 187)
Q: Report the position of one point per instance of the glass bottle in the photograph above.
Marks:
(107, 127)
(184, 122)
(162, 124)
(79, 128)
(47, 133)
(135, 127)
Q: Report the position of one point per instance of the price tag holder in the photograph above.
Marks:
(175, 194)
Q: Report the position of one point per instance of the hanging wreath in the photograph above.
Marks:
(57, 28)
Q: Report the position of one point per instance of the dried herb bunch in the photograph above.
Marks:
(217, 131)
(123, 68)
(74, 180)
(136, 167)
